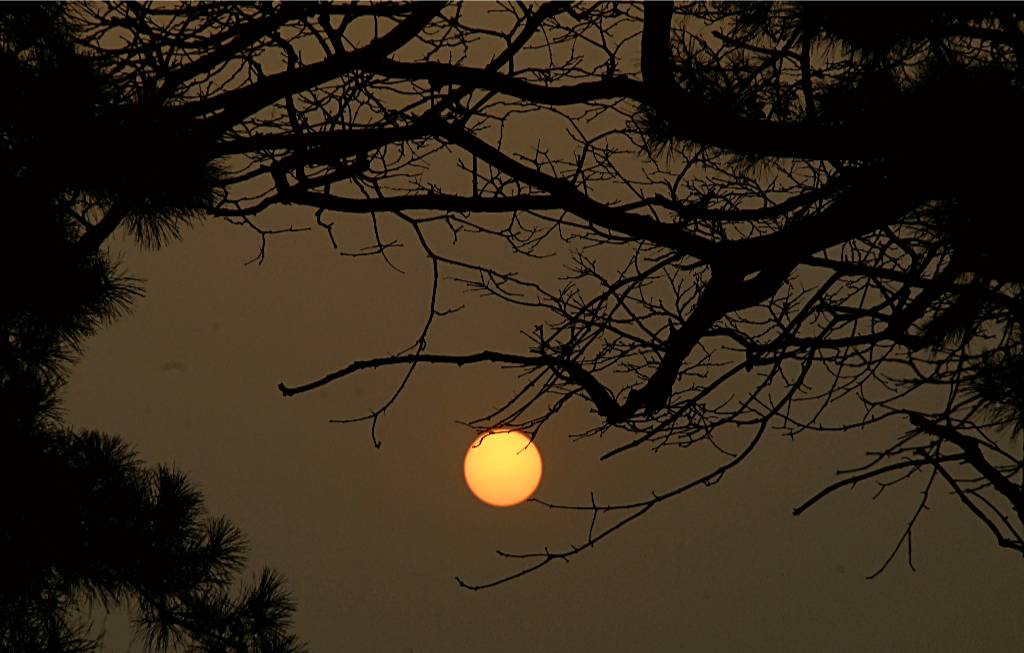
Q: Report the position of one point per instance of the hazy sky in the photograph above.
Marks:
(371, 540)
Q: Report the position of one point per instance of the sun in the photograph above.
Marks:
(502, 468)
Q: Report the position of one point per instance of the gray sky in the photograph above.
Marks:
(371, 540)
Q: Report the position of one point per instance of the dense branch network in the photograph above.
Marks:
(762, 212)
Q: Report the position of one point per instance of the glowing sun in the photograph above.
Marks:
(502, 468)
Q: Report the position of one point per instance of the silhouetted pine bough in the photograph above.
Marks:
(770, 218)
(84, 523)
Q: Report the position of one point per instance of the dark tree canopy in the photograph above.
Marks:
(85, 523)
(766, 215)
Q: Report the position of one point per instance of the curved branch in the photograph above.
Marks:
(853, 480)
(426, 202)
(570, 369)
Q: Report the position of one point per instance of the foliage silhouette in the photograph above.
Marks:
(771, 218)
(85, 522)
(95, 526)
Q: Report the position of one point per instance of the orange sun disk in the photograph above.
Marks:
(503, 468)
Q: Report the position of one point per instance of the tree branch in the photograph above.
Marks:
(571, 370)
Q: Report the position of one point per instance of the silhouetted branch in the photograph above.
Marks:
(598, 394)
(881, 471)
